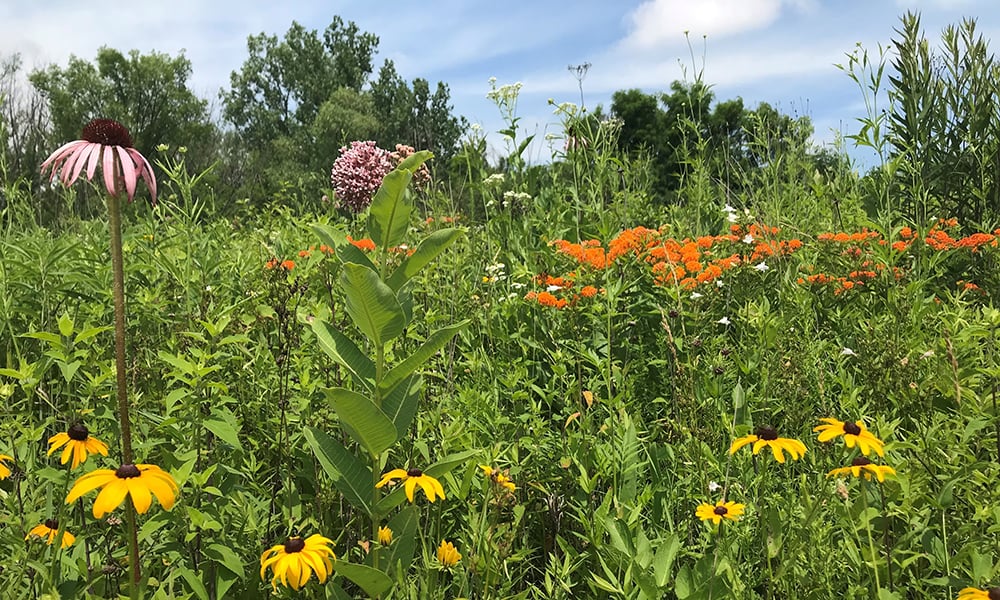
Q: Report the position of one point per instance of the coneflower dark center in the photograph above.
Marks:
(414, 473)
(107, 132)
(721, 511)
(127, 471)
(860, 461)
(852, 428)
(767, 433)
(78, 432)
(295, 544)
(52, 524)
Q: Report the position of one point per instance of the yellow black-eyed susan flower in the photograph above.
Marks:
(412, 478)
(48, 531)
(854, 434)
(294, 562)
(498, 477)
(78, 444)
(862, 466)
(447, 555)
(140, 481)
(978, 594)
(768, 436)
(721, 510)
(384, 536)
(4, 469)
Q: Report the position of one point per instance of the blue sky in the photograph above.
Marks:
(778, 51)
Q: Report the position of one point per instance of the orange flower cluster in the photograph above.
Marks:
(559, 285)
(284, 264)
(443, 219)
(365, 244)
(854, 280)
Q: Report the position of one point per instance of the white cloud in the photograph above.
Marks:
(659, 22)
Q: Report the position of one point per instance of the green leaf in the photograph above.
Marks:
(434, 342)
(413, 161)
(404, 530)
(426, 251)
(666, 553)
(65, 325)
(371, 304)
(349, 474)
(226, 557)
(343, 249)
(372, 581)
(365, 421)
(224, 426)
(401, 404)
(194, 581)
(405, 298)
(389, 214)
(343, 350)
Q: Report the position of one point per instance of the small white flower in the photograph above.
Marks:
(848, 352)
(713, 487)
(748, 239)
(403, 247)
(731, 217)
(517, 285)
(718, 283)
(927, 354)
(553, 288)
(729, 209)
(724, 321)
(695, 295)
(761, 266)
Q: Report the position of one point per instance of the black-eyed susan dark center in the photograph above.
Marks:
(414, 473)
(851, 428)
(52, 524)
(78, 432)
(107, 132)
(993, 593)
(127, 471)
(861, 461)
(767, 433)
(721, 511)
(295, 544)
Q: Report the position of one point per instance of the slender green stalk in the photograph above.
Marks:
(868, 530)
(118, 294)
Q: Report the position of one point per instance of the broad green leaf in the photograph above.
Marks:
(224, 426)
(401, 404)
(344, 250)
(45, 336)
(371, 304)
(65, 325)
(426, 251)
(226, 557)
(405, 298)
(434, 342)
(195, 582)
(366, 423)
(90, 332)
(178, 363)
(666, 552)
(389, 214)
(372, 581)
(343, 350)
(413, 161)
(404, 530)
(349, 473)
(68, 370)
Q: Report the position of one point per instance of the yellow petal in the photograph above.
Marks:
(90, 482)
(110, 497)
(393, 474)
(56, 441)
(411, 485)
(139, 491)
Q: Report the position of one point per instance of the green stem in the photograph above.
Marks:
(118, 294)
(868, 530)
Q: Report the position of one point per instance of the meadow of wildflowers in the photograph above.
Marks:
(543, 386)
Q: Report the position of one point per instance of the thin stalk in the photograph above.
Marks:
(868, 530)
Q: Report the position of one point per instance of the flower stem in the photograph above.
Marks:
(118, 294)
(868, 529)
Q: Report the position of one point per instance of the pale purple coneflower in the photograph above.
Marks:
(108, 142)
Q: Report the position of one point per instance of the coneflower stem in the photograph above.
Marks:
(118, 295)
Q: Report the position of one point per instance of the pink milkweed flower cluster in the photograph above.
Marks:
(357, 173)
(108, 142)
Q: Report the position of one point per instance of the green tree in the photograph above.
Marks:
(283, 83)
(148, 93)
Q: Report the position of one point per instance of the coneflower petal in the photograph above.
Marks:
(128, 171)
(108, 166)
(95, 152)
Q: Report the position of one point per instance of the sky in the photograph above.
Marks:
(782, 52)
